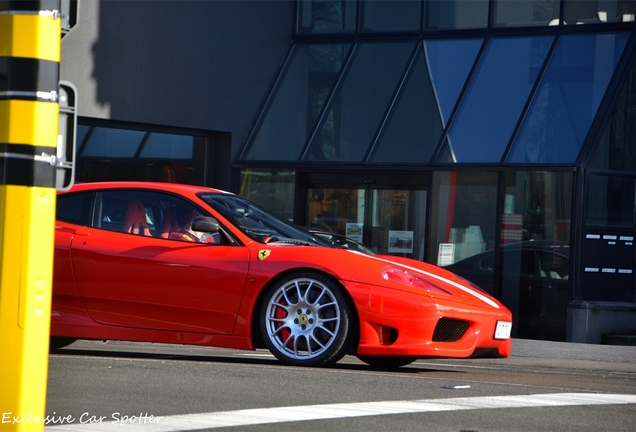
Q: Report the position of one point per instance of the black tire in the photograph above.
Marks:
(305, 320)
(57, 342)
(384, 362)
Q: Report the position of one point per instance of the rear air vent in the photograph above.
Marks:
(449, 330)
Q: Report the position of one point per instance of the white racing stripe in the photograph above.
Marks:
(434, 276)
(191, 422)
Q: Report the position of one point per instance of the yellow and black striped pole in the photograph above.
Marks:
(29, 110)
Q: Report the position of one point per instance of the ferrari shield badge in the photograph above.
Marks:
(264, 253)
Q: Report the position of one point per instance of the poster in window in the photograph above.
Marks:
(400, 241)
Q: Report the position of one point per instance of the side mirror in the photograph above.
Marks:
(205, 224)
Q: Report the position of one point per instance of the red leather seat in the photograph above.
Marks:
(169, 222)
(135, 221)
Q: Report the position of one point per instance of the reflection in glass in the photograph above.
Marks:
(391, 15)
(491, 108)
(465, 216)
(449, 62)
(330, 16)
(426, 101)
(167, 146)
(115, 143)
(611, 201)
(569, 94)
(457, 14)
(334, 210)
(617, 147)
(270, 188)
(398, 222)
(111, 154)
(535, 240)
(362, 99)
(298, 101)
(599, 11)
(519, 13)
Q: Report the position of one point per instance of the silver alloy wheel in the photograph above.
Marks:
(302, 318)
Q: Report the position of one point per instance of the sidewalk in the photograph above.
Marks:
(573, 351)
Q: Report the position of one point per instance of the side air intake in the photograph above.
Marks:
(449, 330)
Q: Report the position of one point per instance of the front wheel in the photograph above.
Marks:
(305, 320)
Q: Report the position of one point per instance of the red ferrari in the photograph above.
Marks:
(184, 264)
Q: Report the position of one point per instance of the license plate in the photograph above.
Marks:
(503, 330)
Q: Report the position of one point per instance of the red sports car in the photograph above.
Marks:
(184, 264)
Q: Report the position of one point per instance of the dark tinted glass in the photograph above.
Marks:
(610, 201)
(331, 16)
(579, 12)
(74, 208)
(456, 14)
(298, 101)
(391, 15)
(114, 143)
(517, 13)
(449, 62)
(617, 147)
(567, 99)
(497, 94)
(360, 103)
(426, 101)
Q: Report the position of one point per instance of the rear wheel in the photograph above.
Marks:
(305, 320)
(385, 362)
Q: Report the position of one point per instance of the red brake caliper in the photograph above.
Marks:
(284, 333)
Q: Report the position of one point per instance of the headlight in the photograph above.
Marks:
(405, 277)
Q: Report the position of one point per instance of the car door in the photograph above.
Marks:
(140, 279)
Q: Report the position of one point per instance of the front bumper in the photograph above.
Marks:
(400, 323)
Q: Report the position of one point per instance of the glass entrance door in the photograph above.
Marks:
(387, 219)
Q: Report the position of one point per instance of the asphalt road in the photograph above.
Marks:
(121, 386)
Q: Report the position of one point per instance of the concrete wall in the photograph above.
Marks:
(588, 322)
(192, 64)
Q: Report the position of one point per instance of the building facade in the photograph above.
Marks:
(495, 137)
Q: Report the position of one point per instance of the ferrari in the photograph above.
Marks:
(182, 264)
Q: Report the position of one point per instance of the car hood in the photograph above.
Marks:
(357, 267)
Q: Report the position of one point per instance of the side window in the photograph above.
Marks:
(147, 213)
(74, 208)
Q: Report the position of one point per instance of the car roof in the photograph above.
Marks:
(170, 187)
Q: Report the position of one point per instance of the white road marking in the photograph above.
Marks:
(191, 422)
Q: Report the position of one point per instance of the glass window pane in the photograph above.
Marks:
(112, 143)
(569, 94)
(611, 201)
(526, 13)
(398, 221)
(617, 147)
(167, 146)
(457, 14)
(463, 220)
(599, 11)
(298, 101)
(320, 16)
(449, 62)
(391, 15)
(498, 92)
(420, 114)
(535, 248)
(270, 188)
(360, 103)
(82, 131)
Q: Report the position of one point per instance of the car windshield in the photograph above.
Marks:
(257, 223)
(338, 240)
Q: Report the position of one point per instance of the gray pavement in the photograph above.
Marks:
(573, 351)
